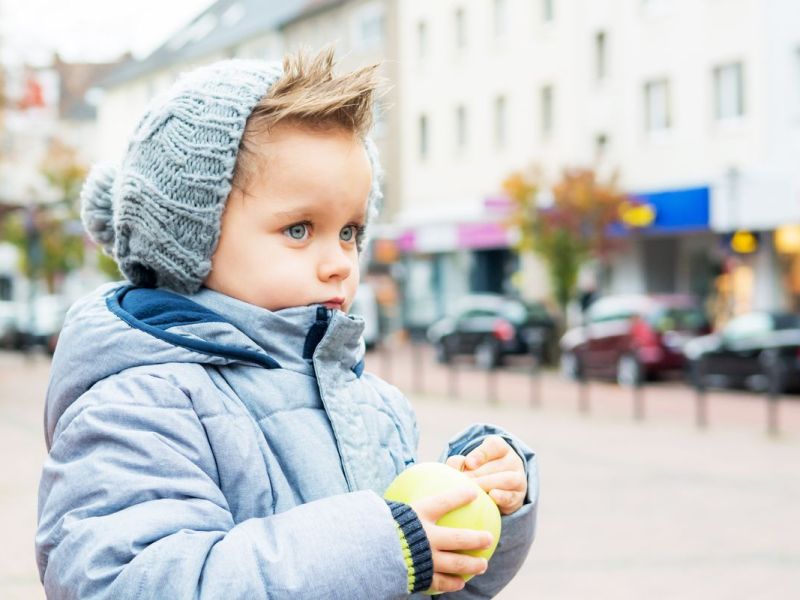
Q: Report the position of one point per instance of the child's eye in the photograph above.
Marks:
(348, 234)
(297, 232)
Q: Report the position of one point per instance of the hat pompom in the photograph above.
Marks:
(97, 209)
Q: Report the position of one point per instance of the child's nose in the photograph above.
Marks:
(334, 263)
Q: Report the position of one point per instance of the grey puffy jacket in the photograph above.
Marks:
(201, 447)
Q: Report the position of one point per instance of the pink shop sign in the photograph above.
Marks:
(482, 235)
(467, 236)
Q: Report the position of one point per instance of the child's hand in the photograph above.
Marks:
(498, 469)
(444, 541)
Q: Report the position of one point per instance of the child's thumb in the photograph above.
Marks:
(456, 461)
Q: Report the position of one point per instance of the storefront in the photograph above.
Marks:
(672, 252)
(444, 259)
(756, 212)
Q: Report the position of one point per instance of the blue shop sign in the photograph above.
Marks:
(676, 211)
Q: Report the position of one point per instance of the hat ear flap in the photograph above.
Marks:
(375, 198)
(97, 205)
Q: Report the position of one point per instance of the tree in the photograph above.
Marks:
(573, 226)
(50, 237)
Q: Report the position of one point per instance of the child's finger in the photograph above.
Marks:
(492, 448)
(456, 461)
(450, 538)
(435, 507)
(505, 480)
(506, 501)
(446, 583)
(459, 564)
(508, 462)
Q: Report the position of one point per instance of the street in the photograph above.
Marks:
(655, 508)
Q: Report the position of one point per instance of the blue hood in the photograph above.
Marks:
(119, 327)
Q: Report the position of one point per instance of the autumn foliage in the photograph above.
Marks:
(567, 226)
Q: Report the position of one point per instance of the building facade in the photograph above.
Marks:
(695, 102)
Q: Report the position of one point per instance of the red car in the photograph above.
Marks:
(632, 338)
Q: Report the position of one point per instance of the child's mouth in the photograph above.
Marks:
(335, 303)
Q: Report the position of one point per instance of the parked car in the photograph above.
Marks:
(8, 323)
(491, 327)
(365, 305)
(752, 350)
(631, 338)
(35, 323)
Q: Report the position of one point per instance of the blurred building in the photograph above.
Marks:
(359, 30)
(30, 120)
(695, 101)
(47, 121)
(363, 32)
(226, 29)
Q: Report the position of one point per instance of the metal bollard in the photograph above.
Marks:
(638, 399)
(452, 380)
(701, 408)
(774, 391)
(583, 393)
(491, 385)
(536, 384)
(417, 366)
(701, 400)
(386, 360)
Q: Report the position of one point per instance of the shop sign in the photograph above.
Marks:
(787, 239)
(744, 242)
(636, 215)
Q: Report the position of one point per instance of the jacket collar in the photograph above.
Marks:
(293, 336)
(213, 323)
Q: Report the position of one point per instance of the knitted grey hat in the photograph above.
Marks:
(159, 214)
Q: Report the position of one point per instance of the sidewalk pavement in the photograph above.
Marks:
(647, 511)
(655, 510)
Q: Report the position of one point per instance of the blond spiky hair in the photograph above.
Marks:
(309, 94)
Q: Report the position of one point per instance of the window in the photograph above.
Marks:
(796, 78)
(422, 40)
(655, 7)
(547, 110)
(656, 106)
(600, 144)
(728, 91)
(368, 26)
(460, 27)
(6, 287)
(461, 128)
(379, 124)
(500, 121)
(677, 319)
(747, 326)
(600, 58)
(614, 308)
(233, 14)
(548, 11)
(499, 18)
(423, 137)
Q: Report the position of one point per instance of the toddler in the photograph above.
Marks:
(211, 430)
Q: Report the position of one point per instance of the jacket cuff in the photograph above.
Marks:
(474, 436)
(416, 549)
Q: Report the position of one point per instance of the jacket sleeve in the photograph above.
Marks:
(517, 529)
(130, 507)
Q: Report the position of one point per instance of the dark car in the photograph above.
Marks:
(753, 350)
(490, 327)
(631, 338)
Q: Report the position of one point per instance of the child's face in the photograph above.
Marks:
(290, 238)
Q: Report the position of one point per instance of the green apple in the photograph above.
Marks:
(429, 479)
